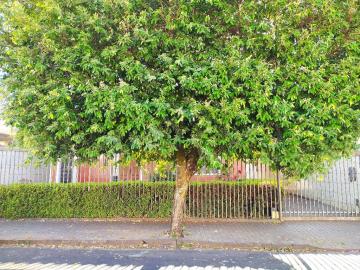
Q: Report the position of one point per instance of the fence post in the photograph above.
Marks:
(279, 194)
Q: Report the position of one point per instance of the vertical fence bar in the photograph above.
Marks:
(3, 162)
(1, 166)
(11, 167)
(226, 195)
(293, 193)
(337, 176)
(357, 198)
(193, 193)
(262, 186)
(7, 168)
(279, 194)
(342, 196)
(347, 186)
(14, 166)
(343, 176)
(352, 174)
(325, 207)
(246, 191)
(331, 187)
(315, 195)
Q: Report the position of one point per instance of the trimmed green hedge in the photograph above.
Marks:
(134, 199)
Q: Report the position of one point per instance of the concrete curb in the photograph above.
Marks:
(189, 244)
(108, 244)
(170, 244)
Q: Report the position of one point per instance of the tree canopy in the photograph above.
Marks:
(276, 80)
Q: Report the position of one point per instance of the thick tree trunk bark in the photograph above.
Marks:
(186, 168)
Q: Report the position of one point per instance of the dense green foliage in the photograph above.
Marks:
(276, 80)
(134, 199)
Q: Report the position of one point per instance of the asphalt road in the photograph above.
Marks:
(84, 259)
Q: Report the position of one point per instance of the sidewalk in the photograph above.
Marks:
(287, 236)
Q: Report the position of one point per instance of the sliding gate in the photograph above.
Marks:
(333, 194)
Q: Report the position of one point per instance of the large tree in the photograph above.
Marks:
(188, 81)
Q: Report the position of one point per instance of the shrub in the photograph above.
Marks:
(135, 199)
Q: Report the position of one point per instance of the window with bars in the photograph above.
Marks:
(66, 172)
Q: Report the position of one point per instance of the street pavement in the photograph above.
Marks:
(21, 258)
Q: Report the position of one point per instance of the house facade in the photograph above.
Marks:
(109, 171)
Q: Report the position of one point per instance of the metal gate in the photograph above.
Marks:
(335, 193)
(16, 168)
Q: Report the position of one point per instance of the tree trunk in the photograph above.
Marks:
(186, 167)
